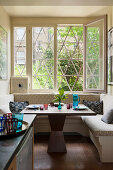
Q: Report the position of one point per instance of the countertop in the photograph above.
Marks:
(10, 147)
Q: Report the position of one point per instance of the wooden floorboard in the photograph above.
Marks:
(81, 155)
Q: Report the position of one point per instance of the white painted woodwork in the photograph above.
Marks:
(72, 124)
(104, 147)
(5, 23)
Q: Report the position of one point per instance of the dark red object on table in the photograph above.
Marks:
(51, 104)
(68, 106)
(71, 105)
(41, 108)
(46, 106)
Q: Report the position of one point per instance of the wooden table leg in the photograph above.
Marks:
(56, 140)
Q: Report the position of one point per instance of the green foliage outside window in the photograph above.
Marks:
(74, 51)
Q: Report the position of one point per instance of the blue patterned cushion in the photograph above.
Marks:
(17, 106)
(96, 106)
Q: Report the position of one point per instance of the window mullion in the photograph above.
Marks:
(55, 58)
(105, 53)
(12, 51)
(84, 58)
(29, 56)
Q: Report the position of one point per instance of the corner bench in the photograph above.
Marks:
(101, 133)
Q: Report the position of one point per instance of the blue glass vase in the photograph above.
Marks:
(76, 100)
(59, 106)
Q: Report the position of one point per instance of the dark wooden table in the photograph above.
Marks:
(57, 119)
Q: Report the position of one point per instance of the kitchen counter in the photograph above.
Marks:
(10, 147)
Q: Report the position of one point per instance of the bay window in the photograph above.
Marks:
(71, 56)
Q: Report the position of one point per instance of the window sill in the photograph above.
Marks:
(54, 93)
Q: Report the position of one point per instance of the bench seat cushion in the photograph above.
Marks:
(97, 126)
(4, 103)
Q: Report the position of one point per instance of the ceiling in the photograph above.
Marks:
(56, 11)
(56, 2)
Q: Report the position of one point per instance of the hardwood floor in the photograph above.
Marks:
(81, 155)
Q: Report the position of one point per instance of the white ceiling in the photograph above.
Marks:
(56, 11)
(56, 2)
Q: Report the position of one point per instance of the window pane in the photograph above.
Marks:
(20, 51)
(70, 58)
(110, 55)
(42, 57)
(95, 56)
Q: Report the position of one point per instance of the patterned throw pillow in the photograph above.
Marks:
(95, 106)
(17, 106)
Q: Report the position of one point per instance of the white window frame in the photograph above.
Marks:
(58, 21)
(105, 57)
(43, 90)
(12, 51)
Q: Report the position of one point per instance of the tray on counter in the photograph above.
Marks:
(5, 135)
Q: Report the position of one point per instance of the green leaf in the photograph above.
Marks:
(60, 96)
(55, 100)
(61, 92)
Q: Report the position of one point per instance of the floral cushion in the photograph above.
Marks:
(17, 106)
(96, 106)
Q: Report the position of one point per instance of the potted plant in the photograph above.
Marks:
(59, 97)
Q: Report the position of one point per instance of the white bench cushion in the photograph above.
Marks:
(107, 103)
(5, 99)
(4, 103)
(98, 127)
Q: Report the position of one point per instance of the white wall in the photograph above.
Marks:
(110, 87)
(5, 23)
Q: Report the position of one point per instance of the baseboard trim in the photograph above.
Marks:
(65, 134)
